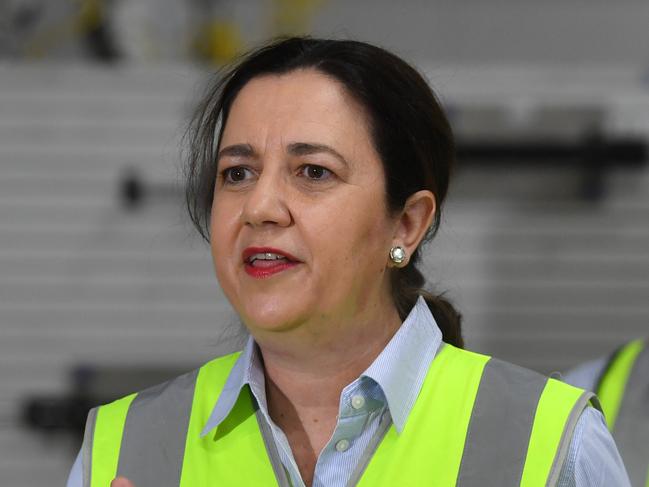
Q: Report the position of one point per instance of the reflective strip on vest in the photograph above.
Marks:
(160, 415)
(477, 422)
(624, 393)
(496, 432)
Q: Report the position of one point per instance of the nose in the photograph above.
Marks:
(265, 202)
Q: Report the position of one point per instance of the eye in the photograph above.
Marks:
(312, 171)
(236, 174)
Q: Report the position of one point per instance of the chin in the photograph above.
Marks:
(272, 313)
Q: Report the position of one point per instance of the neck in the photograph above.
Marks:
(312, 367)
(307, 369)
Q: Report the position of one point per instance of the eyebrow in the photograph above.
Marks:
(305, 149)
(295, 149)
(237, 150)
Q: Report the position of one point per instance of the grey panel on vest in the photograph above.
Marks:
(271, 448)
(153, 444)
(500, 426)
(86, 447)
(632, 426)
(370, 449)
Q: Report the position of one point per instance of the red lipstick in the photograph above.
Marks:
(263, 262)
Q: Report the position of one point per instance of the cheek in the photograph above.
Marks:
(353, 271)
(373, 244)
(352, 239)
(223, 229)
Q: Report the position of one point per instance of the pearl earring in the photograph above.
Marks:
(397, 255)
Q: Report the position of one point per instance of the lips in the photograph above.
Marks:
(263, 262)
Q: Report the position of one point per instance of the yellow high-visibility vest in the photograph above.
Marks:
(477, 421)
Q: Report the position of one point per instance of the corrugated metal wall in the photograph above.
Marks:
(544, 278)
(548, 283)
(81, 279)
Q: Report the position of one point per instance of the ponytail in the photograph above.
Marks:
(408, 284)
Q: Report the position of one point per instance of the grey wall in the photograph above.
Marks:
(527, 31)
(81, 280)
(497, 30)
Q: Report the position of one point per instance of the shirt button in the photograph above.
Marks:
(342, 445)
(358, 402)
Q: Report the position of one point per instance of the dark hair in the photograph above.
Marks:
(410, 132)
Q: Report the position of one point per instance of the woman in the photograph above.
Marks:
(316, 170)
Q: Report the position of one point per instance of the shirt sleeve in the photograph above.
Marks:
(587, 374)
(75, 479)
(593, 459)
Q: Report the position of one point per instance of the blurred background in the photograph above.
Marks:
(104, 288)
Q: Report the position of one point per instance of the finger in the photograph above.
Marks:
(121, 482)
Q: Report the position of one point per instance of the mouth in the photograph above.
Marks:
(263, 262)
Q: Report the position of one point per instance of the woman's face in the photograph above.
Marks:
(299, 228)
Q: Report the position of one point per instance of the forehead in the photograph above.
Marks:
(303, 105)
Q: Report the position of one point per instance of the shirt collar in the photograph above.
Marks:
(400, 369)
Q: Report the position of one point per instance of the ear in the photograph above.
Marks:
(414, 221)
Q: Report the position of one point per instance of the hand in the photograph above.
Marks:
(121, 482)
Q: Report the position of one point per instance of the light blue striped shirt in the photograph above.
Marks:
(587, 375)
(390, 387)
